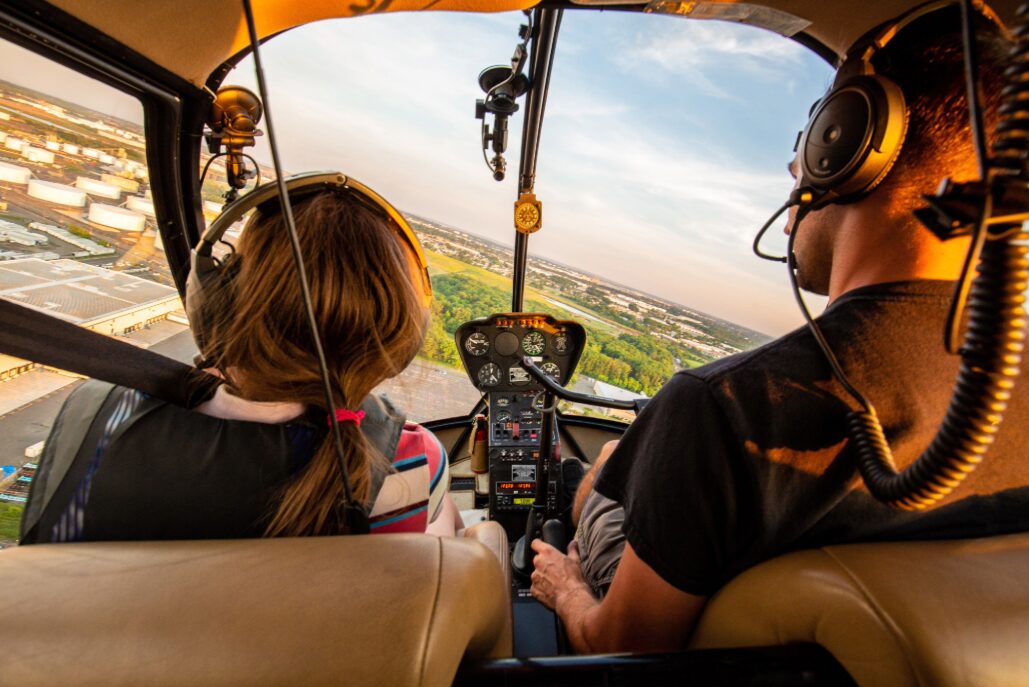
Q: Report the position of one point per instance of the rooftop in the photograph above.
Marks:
(75, 291)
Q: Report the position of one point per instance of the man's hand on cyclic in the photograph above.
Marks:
(556, 575)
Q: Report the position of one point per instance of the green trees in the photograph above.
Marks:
(639, 361)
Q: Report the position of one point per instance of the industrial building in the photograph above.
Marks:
(93, 297)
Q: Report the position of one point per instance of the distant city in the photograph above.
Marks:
(78, 240)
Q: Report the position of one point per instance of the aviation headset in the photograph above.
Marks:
(855, 132)
(209, 292)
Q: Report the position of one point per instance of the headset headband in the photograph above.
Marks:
(303, 185)
(859, 56)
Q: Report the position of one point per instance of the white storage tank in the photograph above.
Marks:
(91, 153)
(116, 218)
(140, 204)
(130, 185)
(70, 148)
(13, 174)
(60, 194)
(14, 143)
(106, 159)
(96, 187)
(37, 155)
(54, 146)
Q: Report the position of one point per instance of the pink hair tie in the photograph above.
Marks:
(345, 415)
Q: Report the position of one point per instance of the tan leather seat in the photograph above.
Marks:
(921, 613)
(379, 610)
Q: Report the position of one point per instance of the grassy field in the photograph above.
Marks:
(444, 264)
(10, 521)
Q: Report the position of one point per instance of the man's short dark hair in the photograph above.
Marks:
(926, 59)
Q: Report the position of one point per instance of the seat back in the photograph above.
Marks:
(373, 610)
(903, 613)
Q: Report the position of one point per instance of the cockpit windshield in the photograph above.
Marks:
(654, 173)
(661, 153)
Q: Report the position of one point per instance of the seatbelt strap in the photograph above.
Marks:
(66, 437)
(44, 339)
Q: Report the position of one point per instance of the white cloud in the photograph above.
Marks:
(688, 46)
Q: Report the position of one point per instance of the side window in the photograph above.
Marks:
(77, 241)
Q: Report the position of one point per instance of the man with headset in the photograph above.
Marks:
(747, 458)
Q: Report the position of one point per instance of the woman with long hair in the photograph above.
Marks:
(258, 458)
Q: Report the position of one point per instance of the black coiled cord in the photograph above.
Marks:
(990, 362)
(992, 350)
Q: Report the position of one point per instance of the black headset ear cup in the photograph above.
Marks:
(852, 138)
(210, 297)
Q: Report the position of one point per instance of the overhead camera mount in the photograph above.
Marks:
(232, 124)
(503, 85)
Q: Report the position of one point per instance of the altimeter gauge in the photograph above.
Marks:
(552, 370)
(489, 374)
(477, 344)
(534, 343)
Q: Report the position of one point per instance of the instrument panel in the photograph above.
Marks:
(492, 348)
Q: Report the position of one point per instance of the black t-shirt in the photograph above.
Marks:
(741, 460)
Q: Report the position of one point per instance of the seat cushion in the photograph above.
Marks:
(397, 610)
(901, 613)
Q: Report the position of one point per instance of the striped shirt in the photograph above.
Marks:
(411, 497)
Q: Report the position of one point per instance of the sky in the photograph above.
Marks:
(664, 146)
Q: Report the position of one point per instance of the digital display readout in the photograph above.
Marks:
(524, 502)
(520, 322)
(515, 486)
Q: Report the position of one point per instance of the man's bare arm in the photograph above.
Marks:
(641, 612)
(587, 481)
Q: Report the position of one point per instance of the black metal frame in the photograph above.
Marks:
(789, 665)
(547, 23)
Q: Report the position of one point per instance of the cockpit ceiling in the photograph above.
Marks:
(193, 37)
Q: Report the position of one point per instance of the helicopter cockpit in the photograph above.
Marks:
(515, 377)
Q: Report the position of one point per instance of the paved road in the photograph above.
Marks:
(29, 424)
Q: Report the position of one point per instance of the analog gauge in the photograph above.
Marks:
(561, 343)
(477, 344)
(551, 369)
(503, 402)
(506, 343)
(537, 402)
(502, 416)
(534, 343)
(489, 374)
